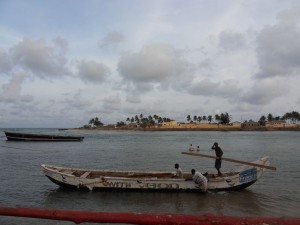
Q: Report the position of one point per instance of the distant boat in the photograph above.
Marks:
(92, 179)
(13, 136)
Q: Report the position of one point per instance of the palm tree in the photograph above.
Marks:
(195, 118)
(155, 117)
(160, 120)
(293, 116)
(137, 120)
(262, 120)
(270, 117)
(225, 118)
(188, 118)
(209, 118)
(95, 121)
(199, 119)
(217, 117)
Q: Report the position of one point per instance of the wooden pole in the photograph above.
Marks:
(230, 160)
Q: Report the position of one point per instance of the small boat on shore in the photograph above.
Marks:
(13, 136)
(91, 179)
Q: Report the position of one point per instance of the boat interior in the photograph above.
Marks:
(92, 174)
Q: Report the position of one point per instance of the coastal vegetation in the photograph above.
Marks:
(222, 118)
(94, 122)
(147, 121)
(292, 117)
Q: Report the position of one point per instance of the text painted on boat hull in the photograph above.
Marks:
(142, 185)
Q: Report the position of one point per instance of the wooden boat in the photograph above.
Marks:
(151, 181)
(12, 136)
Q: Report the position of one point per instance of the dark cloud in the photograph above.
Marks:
(231, 41)
(278, 46)
(43, 60)
(265, 91)
(154, 64)
(92, 71)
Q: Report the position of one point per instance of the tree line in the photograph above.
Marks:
(292, 117)
(147, 121)
(222, 118)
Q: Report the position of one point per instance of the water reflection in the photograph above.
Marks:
(244, 202)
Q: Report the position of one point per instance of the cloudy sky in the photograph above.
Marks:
(64, 62)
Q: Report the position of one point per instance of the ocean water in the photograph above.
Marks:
(276, 194)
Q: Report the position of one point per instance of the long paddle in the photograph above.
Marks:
(231, 160)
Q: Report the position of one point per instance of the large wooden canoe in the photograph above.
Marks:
(151, 181)
(13, 136)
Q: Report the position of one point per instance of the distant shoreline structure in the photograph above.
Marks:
(296, 128)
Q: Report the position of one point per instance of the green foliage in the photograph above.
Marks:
(95, 122)
(121, 124)
(293, 116)
(146, 121)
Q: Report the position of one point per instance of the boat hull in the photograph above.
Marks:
(97, 180)
(12, 136)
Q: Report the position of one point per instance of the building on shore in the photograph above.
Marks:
(247, 125)
(174, 124)
(250, 124)
(279, 123)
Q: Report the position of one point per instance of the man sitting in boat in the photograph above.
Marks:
(199, 179)
(179, 172)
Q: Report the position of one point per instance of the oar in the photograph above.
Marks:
(231, 160)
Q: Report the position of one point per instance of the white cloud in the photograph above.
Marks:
(133, 99)
(11, 92)
(91, 71)
(263, 92)
(231, 41)
(5, 64)
(111, 103)
(157, 64)
(235, 57)
(224, 89)
(112, 39)
(42, 60)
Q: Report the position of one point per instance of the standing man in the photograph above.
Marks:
(219, 154)
(199, 179)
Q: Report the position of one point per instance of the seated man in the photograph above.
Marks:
(179, 172)
(199, 179)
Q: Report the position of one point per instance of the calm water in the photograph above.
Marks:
(275, 195)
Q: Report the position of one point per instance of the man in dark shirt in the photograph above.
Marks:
(219, 154)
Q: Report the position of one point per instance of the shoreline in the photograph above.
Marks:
(190, 129)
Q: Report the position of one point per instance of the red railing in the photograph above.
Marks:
(142, 218)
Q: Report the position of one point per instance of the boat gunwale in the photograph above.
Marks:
(126, 174)
(40, 137)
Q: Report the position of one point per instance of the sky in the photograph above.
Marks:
(65, 62)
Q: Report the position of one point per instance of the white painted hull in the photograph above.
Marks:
(150, 181)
